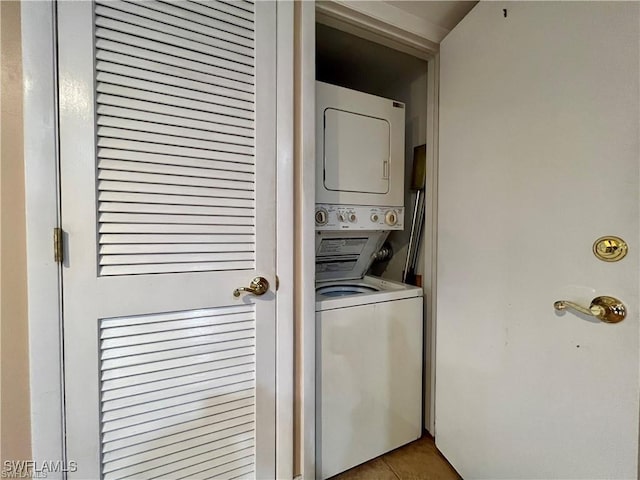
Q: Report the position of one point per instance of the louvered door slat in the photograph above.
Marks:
(128, 433)
(120, 11)
(163, 179)
(177, 343)
(175, 258)
(173, 140)
(222, 68)
(131, 113)
(212, 403)
(224, 30)
(175, 96)
(227, 456)
(154, 148)
(173, 37)
(171, 96)
(174, 190)
(169, 228)
(176, 239)
(183, 325)
(175, 200)
(211, 9)
(226, 141)
(170, 323)
(158, 113)
(181, 88)
(173, 161)
(229, 466)
(169, 443)
(245, 5)
(189, 393)
(238, 434)
(228, 312)
(118, 63)
(223, 77)
(209, 450)
(230, 9)
(145, 218)
(191, 351)
(174, 268)
(175, 209)
(203, 32)
(172, 248)
(144, 442)
(178, 376)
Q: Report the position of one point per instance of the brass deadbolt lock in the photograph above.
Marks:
(610, 249)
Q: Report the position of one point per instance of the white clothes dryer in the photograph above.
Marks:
(360, 160)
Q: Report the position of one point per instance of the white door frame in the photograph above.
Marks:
(42, 215)
(392, 27)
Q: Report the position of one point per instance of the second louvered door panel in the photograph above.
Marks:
(167, 145)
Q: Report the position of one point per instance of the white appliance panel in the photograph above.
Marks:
(356, 152)
(346, 255)
(359, 148)
(369, 392)
(357, 217)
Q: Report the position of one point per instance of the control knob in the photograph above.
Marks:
(391, 217)
(321, 216)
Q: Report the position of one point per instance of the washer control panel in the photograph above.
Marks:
(358, 217)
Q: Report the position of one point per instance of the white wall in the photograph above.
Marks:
(15, 436)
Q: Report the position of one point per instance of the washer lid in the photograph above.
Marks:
(346, 255)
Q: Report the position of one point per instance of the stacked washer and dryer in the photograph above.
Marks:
(368, 329)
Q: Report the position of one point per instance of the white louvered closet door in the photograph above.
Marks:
(167, 148)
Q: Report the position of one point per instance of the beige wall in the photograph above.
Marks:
(15, 439)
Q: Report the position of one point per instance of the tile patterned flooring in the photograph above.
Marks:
(419, 460)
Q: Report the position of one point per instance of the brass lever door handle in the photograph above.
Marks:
(258, 286)
(607, 309)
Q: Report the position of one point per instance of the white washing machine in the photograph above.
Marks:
(369, 360)
(369, 370)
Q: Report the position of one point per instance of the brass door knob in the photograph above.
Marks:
(607, 309)
(258, 286)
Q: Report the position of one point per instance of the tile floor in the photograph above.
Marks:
(419, 460)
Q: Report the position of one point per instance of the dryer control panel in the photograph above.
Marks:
(358, 217)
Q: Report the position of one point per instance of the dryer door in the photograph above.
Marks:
(356, 152)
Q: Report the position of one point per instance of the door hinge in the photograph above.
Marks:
(58, 245)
